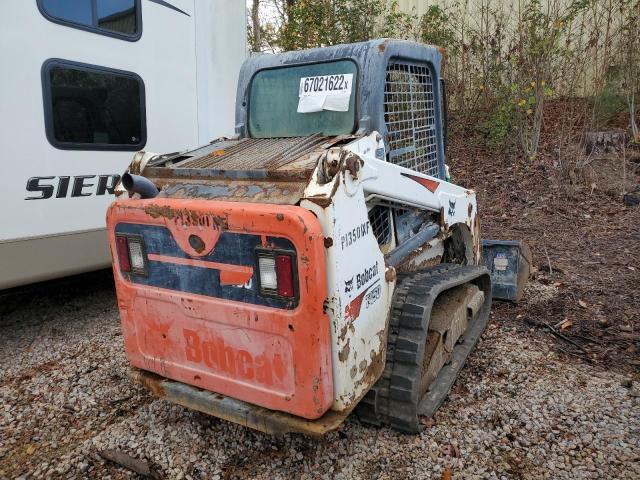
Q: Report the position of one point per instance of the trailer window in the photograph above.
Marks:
(93, 108)
(274, 101)
(119, 18)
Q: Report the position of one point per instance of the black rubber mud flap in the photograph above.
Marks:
(399, 397)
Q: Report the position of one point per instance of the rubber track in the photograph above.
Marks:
(393, 400)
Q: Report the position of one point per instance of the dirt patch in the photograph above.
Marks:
(585, 241)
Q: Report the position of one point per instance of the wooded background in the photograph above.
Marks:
(505, 59)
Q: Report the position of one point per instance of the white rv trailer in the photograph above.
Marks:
(83, 85)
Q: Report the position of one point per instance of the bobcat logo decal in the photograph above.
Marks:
(348, 285)
(452, 208)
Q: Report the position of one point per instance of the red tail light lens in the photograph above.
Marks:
(122, 248)
(284, 269)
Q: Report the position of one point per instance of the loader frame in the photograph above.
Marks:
(346, 185)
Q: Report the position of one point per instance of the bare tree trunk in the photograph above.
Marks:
(632, 114)
(256, 41)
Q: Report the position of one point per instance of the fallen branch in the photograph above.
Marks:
(558, 334)
(564, 337)
(127, 461)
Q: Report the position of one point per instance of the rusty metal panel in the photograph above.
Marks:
(359, 293)
(274, 171)
(255, 153)
(273, 192)
(177, 323)
(234, 410)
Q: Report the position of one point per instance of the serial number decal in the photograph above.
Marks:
(325, 92)
(352, 236)
(368, 296)
(373, 295)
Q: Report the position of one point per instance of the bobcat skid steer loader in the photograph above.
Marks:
(314, 264)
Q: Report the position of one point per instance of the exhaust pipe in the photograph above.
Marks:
(140, 185)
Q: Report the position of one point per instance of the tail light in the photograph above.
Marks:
(285, 275)
(122, 248)
(268, 273)
(277, 273)
(131, 254)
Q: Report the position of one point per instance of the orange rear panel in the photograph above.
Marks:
(196, 315)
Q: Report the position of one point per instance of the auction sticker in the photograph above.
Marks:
(325, 92)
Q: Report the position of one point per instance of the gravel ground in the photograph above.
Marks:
(521, 409)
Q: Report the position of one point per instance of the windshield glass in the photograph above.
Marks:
(304, 99)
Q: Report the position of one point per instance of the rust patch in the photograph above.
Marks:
(343, 331)
(354, 371)
(470, 210)
(155, 211)
(328, 242)
(443, 224)
(410, 266)
(344, 353)
(382, 47)
(320, 200)
(259, 418)
(390, 274)
(187, 217)
(279, 217)
(325, 305)
(382, 334)
(372, 371)
(305, 230)
(362, 366)
(352, 165)
(154, 385)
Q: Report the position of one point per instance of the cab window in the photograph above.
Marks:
(275, 96)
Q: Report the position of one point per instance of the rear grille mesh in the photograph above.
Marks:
(257, 153)
(380, 221)
(410, 116)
